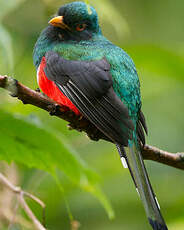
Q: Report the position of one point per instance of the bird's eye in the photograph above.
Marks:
(81, 27)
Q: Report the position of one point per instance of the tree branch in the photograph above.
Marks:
(22, 201)
(175, 160)
(29, 96)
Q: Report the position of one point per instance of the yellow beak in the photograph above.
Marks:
(58, 22)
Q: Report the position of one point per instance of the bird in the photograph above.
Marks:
(78, 67)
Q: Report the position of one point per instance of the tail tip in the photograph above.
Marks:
(156, 225)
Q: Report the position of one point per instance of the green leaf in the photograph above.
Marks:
(28, 143)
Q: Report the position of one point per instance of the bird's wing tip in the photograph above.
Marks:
(156, 225)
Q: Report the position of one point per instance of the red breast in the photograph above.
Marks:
(51, 90)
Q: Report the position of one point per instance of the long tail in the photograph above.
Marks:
(132, 159)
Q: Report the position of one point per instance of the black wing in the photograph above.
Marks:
(89, 86)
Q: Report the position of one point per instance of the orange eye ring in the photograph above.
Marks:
(81, 27)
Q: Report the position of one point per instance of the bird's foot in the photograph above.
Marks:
(38, 90)
(93, 134)
(77, 126)
(54, 110)
(72, 126)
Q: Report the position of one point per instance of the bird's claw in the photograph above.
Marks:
(38, 90)
(54, 110)
(71, 126)
(93, 136)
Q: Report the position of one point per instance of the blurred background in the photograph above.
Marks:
(152, 33)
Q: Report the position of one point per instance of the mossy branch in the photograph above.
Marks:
(29, 96)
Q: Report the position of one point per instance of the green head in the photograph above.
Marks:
(76, 21)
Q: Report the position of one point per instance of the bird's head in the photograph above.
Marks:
(75, 21)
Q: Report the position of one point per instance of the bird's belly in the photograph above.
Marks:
(51, 90)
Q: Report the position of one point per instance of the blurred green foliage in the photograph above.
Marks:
(152, 33)
(24, 142)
